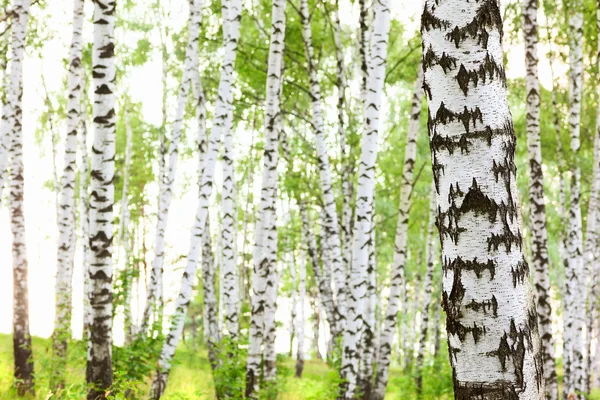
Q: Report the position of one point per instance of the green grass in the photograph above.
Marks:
(191, 377)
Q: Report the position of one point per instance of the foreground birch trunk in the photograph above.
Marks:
(23, 357)
(66, 209)
(397, 285)
(101, 201)
(232, 14)
(492, 324)
(265, 243)
(575, 270)
(330, 220)
(358, 294)
(536, 197)
(155, 289)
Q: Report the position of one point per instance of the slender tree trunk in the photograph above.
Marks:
(294, 299)
(4, 128)
(220, 125)
(492, 324)
(358, 294)
(229, 267)
(436, 327)
(66, 209)
(269, 354)
(23, 357)
(155, 287)
(432, 254)
(84, 221)
(575, 272)
(211, 319)
(265, 247)
(301, 315)
(101, 201)
(125, 234)
(539, 232)
(316, 326)
(330, 220)
(397, 285)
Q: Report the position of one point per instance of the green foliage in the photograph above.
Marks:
(230, 375)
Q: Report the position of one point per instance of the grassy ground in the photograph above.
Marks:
(191, 377)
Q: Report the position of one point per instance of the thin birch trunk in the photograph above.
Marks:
(316, 326)
(23, 357)
(220, 124)
(66, 209)
(427, 292)
(331, 219)
(492, 325)
(125, 235)
(4, 129)
(575, 272)
(155, 286)
(84, 221)
(101, 201)
(229, 267)
(539, 231)
(294, 298)
(211, 319)
(301, 315)
(397, 283)
(359, 276)
(265, 247)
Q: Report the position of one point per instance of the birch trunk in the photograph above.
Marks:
(301, 315)
(427, 292)
(575, 272)
(265, 247)
(84, 221)
(124, 234)
(211, 319)
(220, 124)
(359, 272)
(397, 283)
(4, 129)
(492, 324)
(331, 219)
(322, 279)
(294, 299)
(66, 209)
(536, 197)
(155, 289)
(23, 357)
(229, 267)
(101, 201)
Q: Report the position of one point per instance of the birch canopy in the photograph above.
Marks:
(300, 199)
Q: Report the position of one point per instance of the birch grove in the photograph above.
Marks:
(263, 212)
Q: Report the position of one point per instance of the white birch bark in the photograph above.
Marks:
(331, 219)
(84, 221)
(301, 315)
(492, 326)
(575, 271)
(66, 209)
(397, 283)
(432, 253)
(294, 298)
(4, 129)
(22, 351)
(359, 277)
(220, 124)
(229, 267)
(265, 243)
(155, 285)
(125, 235)
(539, 232)
(101, 200)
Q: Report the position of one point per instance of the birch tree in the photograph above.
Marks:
(229, 267)
(397, 283)
(102, 190)
(492, 326)
(536, 197)
(66, 209)
(358, 295)
(427, 291)
(155, 289)
(23, 357)
(231, 10)
(301, 315)
(265, 236)
(84, 221)
(575, 270)
(331, 220)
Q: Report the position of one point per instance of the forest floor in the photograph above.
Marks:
(191, 377)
